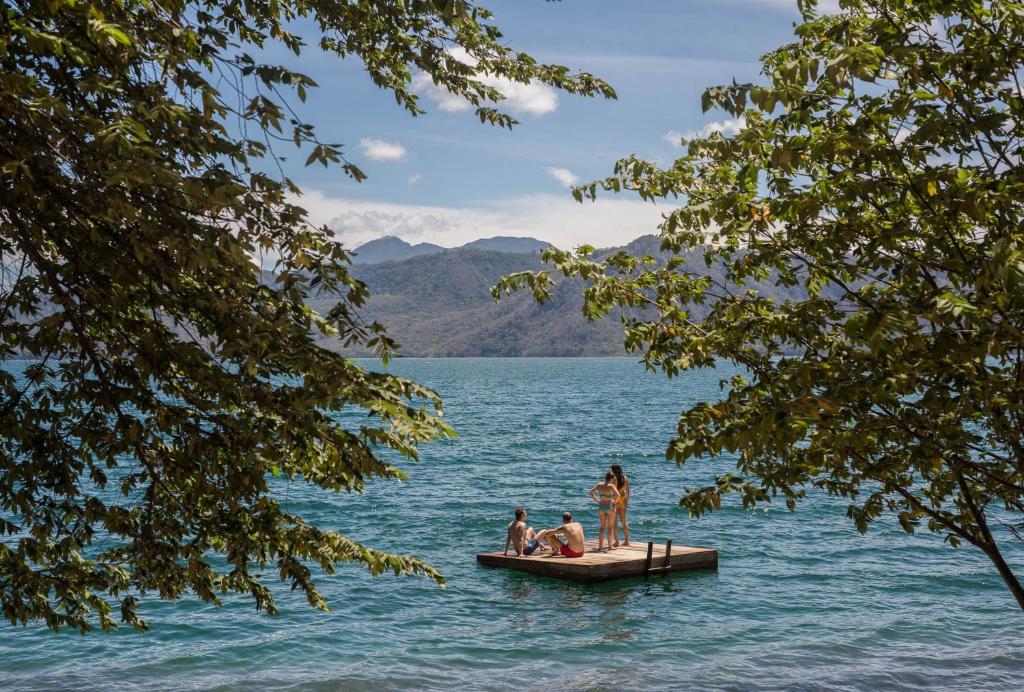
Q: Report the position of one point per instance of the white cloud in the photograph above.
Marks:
(674, 137)
(533, 98)
(413, 179)
(557, 219)
(379, 150)
(563, 175)
(444, 99)
(728, 127)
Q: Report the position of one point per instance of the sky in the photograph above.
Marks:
(445, 178)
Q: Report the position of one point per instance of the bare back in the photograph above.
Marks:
(516, 535)
(574, 536)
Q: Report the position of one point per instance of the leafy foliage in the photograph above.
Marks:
(166, 380)
(880, 174)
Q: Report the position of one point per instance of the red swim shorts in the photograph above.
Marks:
(566, 552)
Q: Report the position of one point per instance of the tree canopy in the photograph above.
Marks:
(166, 380)
(879, 171)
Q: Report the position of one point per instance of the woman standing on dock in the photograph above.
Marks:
(622, 485)
(606, 495)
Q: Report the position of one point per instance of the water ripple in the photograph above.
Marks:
(800, 601)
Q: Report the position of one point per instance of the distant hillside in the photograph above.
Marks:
(508, 244)
(391, 249)
(439, 305)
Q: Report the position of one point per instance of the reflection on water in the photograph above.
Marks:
(518, 587)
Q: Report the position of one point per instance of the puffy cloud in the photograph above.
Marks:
(674, 137)
(413, 179)
(379, 150)
(533, 98)
(726, 127)
(444, 99)
(563, 175)
(558, 219)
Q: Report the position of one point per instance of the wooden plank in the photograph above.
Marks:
(626, 561)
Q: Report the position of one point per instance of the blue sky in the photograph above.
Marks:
(447, 179)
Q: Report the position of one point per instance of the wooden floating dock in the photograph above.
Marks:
(636, 560)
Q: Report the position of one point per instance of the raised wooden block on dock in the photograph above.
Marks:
(635, 560)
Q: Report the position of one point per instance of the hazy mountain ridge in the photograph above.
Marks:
(390, 249)
(503, 243)
(439, 305)
(393, 249)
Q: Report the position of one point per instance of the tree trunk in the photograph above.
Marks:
(1005, 572)
(987, 542)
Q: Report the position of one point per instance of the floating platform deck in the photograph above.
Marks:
(635, 560)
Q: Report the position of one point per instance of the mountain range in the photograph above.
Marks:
(393, 249)
(438, 304)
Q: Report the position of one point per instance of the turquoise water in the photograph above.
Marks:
(799, 600)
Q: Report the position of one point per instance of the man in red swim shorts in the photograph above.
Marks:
(573, 546)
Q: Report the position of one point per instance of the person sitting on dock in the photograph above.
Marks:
(522, 537)
(574, 544)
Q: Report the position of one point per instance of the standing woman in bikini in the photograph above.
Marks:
(606, 495)
(622, 485)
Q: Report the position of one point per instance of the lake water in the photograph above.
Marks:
(800, 600)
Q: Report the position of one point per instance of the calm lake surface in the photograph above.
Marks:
(800, 600)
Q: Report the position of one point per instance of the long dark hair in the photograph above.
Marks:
(620, 477)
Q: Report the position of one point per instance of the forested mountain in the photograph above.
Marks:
(390, 249)
(440, 305)
(393, 249)
(503, 243)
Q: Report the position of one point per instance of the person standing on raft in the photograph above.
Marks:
(622, 483)
(606, 495)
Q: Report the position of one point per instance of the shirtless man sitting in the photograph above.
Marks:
(522, 537)
(573, 546)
